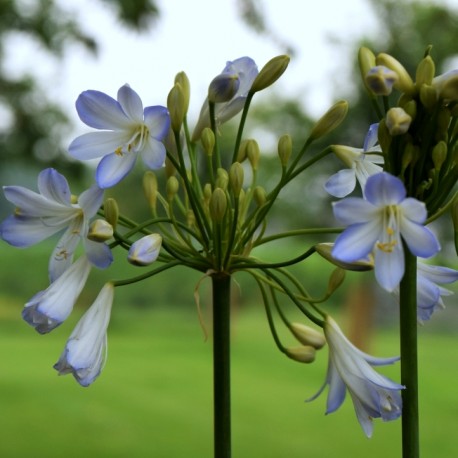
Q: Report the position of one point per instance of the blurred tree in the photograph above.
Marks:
(31, 127)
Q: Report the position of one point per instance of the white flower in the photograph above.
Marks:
(373, 395)
(85, 351)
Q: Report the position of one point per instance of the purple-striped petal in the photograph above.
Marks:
(96, 144)
(91, 200)
(389, 267)
(420, 240)
(354, 210)
(153, 154)
(130, 103)
(157, 119)
(341, 183)
(113, 168)
(384, 189)
(98, 254)
(54, 186)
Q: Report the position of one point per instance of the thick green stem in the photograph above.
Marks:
(221, 284)
(409, 358)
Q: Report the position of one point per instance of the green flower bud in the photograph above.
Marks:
(397, 121)
(305, 354)
(380, 80)
(218, 205)
(111, 212)
(325, 250)
(439, 155)
(170, 169)
(411, 108)
(308, 336)
(366, 60)
(172, 186)
(241, 153)
(222, 179)
(207, 193)
(454, 211)
(223, 87)
(384, 137)
(404, 83)
(208, 141)
(182, 79)
(409, 156)
(253, 153)
(177, 106)
(150, 188)
(236, 176)
(425, 72)
(259, 195)
(428, 96)
(335, 280)
(100, 231)
(330, 120)
(270, 73)
(285, 148)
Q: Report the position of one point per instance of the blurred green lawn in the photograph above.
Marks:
(154, 397)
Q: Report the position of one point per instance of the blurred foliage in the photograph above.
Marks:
(31, 126)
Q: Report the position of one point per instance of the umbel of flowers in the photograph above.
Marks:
(211, 218)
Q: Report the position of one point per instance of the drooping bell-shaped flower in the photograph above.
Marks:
(126, 130)
(378, 224)
(350, 369)
(85, 351)
(52, 210)
(360, 163)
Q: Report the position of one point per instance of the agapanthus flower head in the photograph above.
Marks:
(49, 308)
(373, 395)
(429, 293)
(85, 351)
(52, 210)
(378, 224)
(245, 69)
(361, 163)
(126, 130)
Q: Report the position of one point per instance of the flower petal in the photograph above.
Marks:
(91, 200)
(341, 183)
(414, 210)
(437, 274)
(153, 154)
(420, 240)
(354, 210)
(54, 186)
(98, 254)
(131, 103)
(389, 267)
(371, 137)
(384, 189)
(100, 111)
(95, 144)
(113, 168)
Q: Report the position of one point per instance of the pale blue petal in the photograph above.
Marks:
(356, 242)
(341, 183)
(247, 71)
(91, 200)
(226, 111)
(113, 168)
(98, 254)
(437, 274)
(153, 154)
(23, 232)
(337, 389)
(427, 293)
(420, 240)
(62, 256)
(100, 111)
(355, 210)
(389, 267)
(384, 189)
(157, 119)
(96, 144)
(414, 210)
(364, 419)
(54, 186)
(371, 137)
(131, 103)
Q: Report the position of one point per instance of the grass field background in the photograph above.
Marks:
(154, 397)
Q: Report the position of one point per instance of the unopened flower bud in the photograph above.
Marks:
(207, 193)
(454, 211)
(428, 96)
(222, 179)
(330, 120)
(404, 82)
(169, 168)
(397, 121)
(223, 87)
(218, 205)
(384, 137)
(183, 80)
(308, 336)
(100, 231)
(241, 153)
(236, 176)
(111, 211)
(425, 72)
(410, 108)
(285, 148)
(172, 187)
(439, 155)
(177, 106)
(270, 73)
(380, 80)
(259, 195)
(335, 280)
(305, 354)
(409, 156)
(150, 188)
(208, 141)
(253, 153)
(366, 60)
(145, 251)
(325, 250)
(447, 86)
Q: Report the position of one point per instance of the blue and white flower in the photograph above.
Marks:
(373, 395)
(53, 209)
(361, 164)
(245, 70)
(51, 307)
(126, 130)
(379, 223)
(145, 251)
(85, 352)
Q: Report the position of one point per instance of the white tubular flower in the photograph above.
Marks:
(85, 352)
(145, 250)
(49, 308)
(373, 395)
